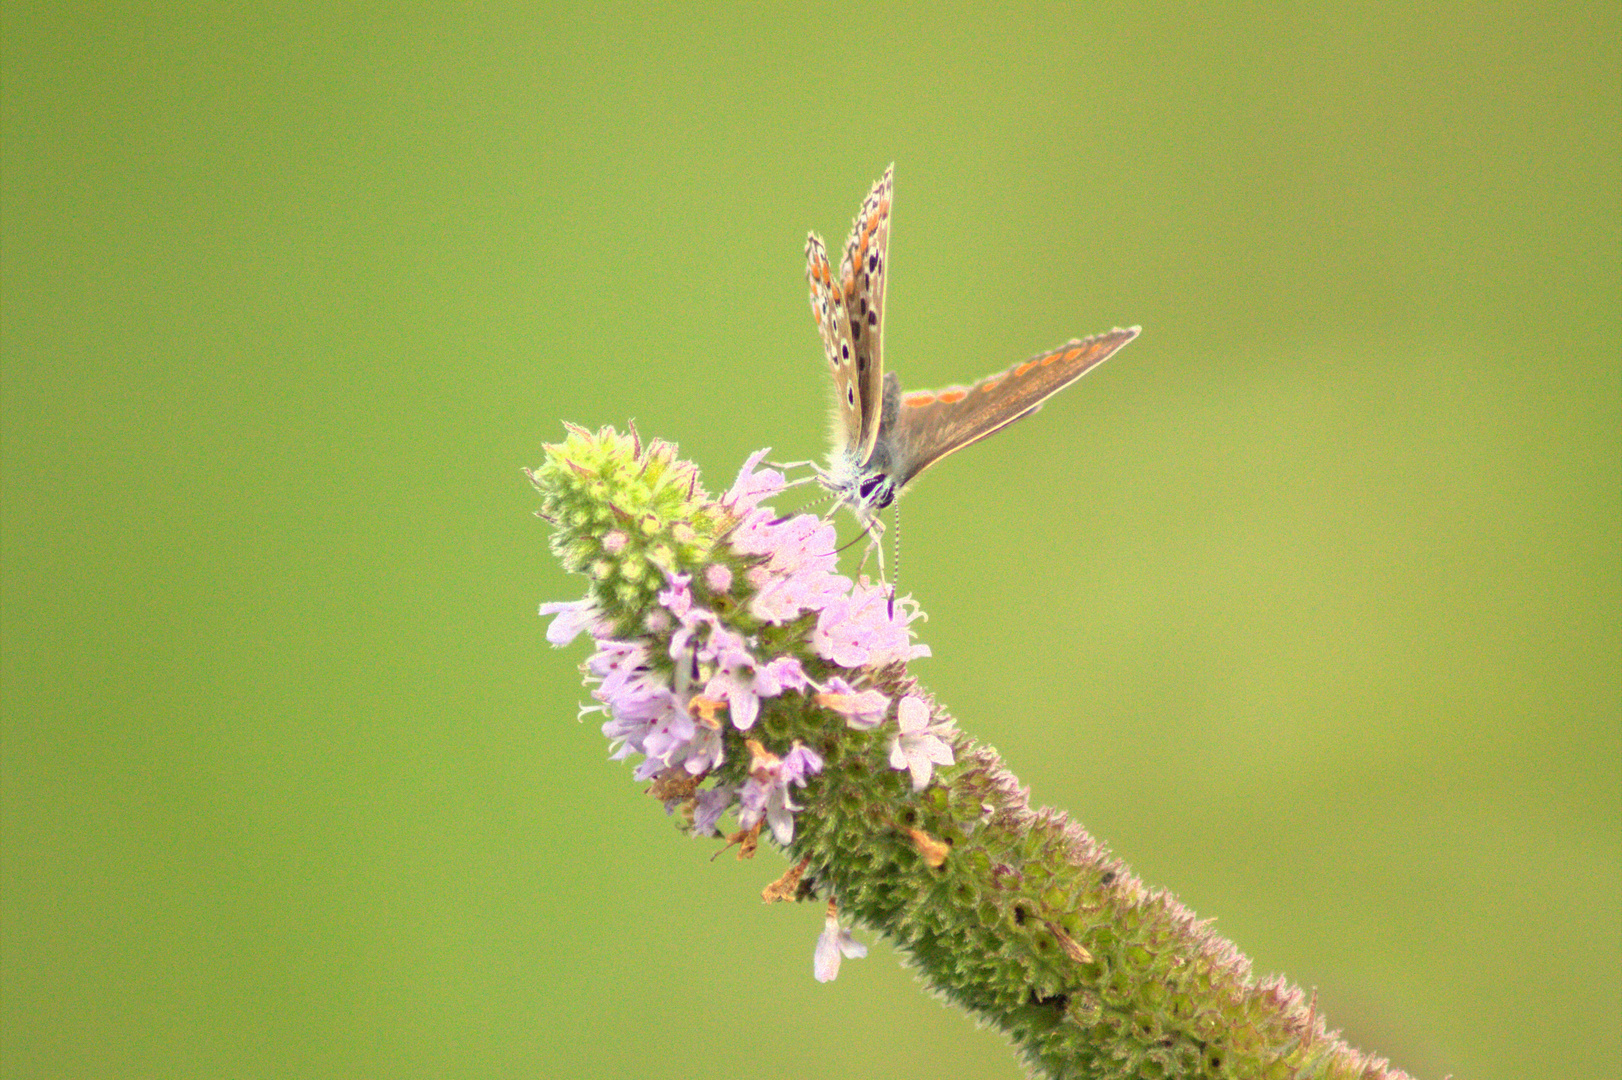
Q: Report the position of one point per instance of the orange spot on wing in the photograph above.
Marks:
(912, 401)
(954, 394)
(1072, 354)
(1023, 368)
(991, 383)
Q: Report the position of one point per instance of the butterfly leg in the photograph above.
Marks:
(814, 476)
(873, 526)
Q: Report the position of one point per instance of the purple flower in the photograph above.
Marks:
(863, 711)
(708, 806)
(798, 574)
(737, 690)
(751, 487)
(766, 792)
(678, 598)
(635, 710)
(647, 717)
(735, 680)
(754, 534)
(919, 746)
(787, 673)
(833, 941)
(726, 649)
(647, 770)
(779, 599)
(795, 543)
(894, 641)
(572, 617)
(867, 629)
(614, 664)
(740, 681)
(681, 641)
(801, 762)
(704, 752)
(669, 736)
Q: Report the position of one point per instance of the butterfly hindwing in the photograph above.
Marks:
(933, 423)
(862, 274)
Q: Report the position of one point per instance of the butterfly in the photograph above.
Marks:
(882, 437)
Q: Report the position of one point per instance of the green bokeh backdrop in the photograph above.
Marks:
(1307, 603)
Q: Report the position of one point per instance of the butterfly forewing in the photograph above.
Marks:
(933, 423)
(861, 279)
(828, 308)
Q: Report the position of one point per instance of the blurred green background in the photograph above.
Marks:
(1307, 603)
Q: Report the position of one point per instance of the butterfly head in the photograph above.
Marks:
(864, 490)
(875, 492)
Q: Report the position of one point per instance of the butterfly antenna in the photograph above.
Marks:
(826, 496)
(895, 582)
(811, 504)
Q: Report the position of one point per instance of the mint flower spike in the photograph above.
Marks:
(752, 678)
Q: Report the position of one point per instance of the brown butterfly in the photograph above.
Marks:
(883, 437)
